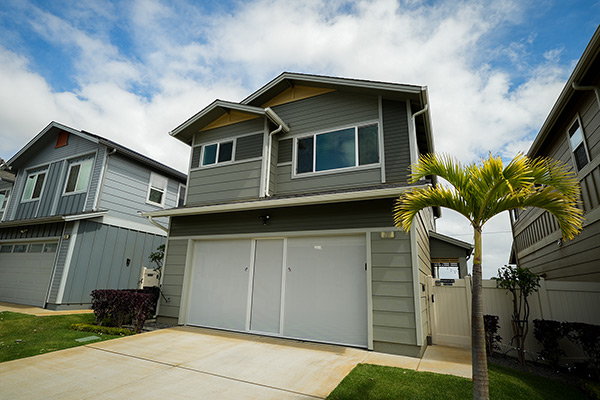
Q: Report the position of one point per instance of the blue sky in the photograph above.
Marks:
(132, 71)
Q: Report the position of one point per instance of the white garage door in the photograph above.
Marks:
(307, 288)
(25, 272)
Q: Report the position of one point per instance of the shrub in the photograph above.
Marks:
(492, 338)
(591, 389)
(117, 307)
(104, 330)
(587, 337)
(549, 333)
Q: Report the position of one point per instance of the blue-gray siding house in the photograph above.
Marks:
(287, 228)
(72, 221)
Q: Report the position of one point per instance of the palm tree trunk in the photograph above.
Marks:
(480, 372)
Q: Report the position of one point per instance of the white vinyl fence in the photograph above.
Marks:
(555, 300)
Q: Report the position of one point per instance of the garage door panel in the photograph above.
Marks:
(325, 292)
(219, 291)
(24, 277)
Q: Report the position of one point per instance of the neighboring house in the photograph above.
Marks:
(571, 134)
(7, 179)
(287, 228)
(72, 223)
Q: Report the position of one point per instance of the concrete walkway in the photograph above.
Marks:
(37, 311)
(195, 363)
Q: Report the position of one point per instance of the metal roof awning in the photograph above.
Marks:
(56, 218)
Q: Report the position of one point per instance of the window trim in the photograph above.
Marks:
(30, 174)
(4, 203)
(164, 196)
(356, 167)
(71, 165)
(205, 145)
(577, 119)
(181, 185)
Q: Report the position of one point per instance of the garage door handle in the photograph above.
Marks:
(246, 269)
(289, 269)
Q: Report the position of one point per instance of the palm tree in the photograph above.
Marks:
(481, 191)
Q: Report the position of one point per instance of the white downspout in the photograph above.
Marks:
(596, 90)
(413, 137)
(270, 148)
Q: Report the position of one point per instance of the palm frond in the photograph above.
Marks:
(413, 201)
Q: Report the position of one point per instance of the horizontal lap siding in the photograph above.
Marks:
(226, 182)
(125, 190)
(346, 215)
(317, 114)
(537, 232)
(396, 140)
(230, 131)
(393, 304)
(173, 278)
(575, 260)
(285, 183)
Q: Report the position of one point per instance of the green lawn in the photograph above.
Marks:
(374, 382)
(23, 335)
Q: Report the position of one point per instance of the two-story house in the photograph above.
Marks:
(571, 134)
(73, 223)
(287, 228)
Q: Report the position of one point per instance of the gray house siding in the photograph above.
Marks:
(27, 210)
(59, 266)
(92, 267)
(173, 279)
(52, 182)
(317, 114)
(394, 327)
(536, 233)
(32, 231)
(226, 182)
(347, 215)
(396, 140)
(125, 189)
(237, 180)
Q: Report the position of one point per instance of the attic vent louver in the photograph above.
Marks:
(63, 138)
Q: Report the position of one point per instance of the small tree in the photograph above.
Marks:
(492, 338)
(520, 282)
(157, 258)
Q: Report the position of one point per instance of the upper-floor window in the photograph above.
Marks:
(4, 199)
(157, 189)
(217, 153)
(181, 196)
(34, 185)
(79, 176)
(344, 148)
(578, 145)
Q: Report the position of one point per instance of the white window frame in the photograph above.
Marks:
(164, 191)
(36, 174)
(4, 203)
(181, 185)
(356, 167)
(71, 165)
(577, 120)
(204, 146)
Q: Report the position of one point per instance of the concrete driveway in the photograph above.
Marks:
(195, 363)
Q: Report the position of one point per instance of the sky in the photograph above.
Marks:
(132, 71)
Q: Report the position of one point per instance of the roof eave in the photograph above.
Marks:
(582, 67)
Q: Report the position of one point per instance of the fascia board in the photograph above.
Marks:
(51, 125)
(285, 202)
(215, 104)
(587, 58)
(342, 82)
